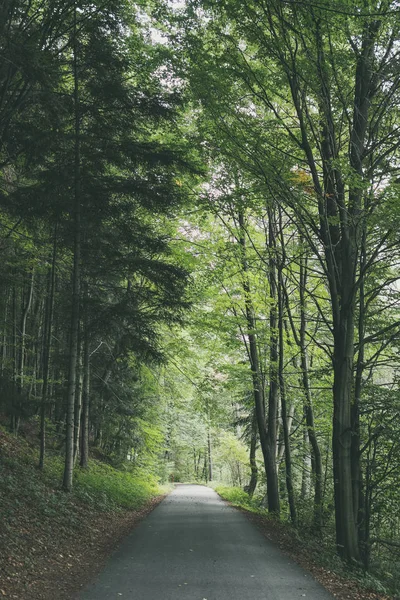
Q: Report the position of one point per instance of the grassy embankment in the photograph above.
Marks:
(314, 554)
(51, 541)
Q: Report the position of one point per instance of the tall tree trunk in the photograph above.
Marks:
(24, 317)
(205, 466)
(346, 457)
(285, 424)
(273, 392)
(76, 276)
(4, 336)
(209, 455)
(253, 464)
(15, 402)
(78, 404)
(289, 419)
(307, 405)
(359, 497)
(85, 402)
(266, 439)
(19, 358)
(307, 466)
(310, 434)
(346, 533)
(48, 330)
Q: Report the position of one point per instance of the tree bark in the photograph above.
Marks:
(252, 459)
(266, 439)
(209, 456)
(4, 336)
(307, 467)
(78, 404)
(84, 460)
(24, 317)
(48, 328)
(273, 392)
(307, 405)
(285, 424)
(76, 276)
(360, 512)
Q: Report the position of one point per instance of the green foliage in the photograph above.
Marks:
(259, 92)
(231, 459)
(42, 526)
(101, 486)
(108, 488)
(238, 497)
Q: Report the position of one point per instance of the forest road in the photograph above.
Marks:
(194, 546)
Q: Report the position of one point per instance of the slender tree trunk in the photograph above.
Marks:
(48, 329)
(205, 466)
(15, 405)
(4, 340)
(78, 404)
(15, 408)
(209, 456)
(195, 463)
(346, 456)
(359, 499)
(25, 311)
(85, 402)
(198, 464)
(76, 276)
(289, 419)
(307, 406)
(253, 465)
(285, 425)
(266, 439)
(273, 394)
(300, 339)
(307, 467)
(19, 358)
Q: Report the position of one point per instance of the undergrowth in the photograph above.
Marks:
(42, 527)
(320, 550)
(237, 497)
(100, 485)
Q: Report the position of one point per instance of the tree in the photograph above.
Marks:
(96, 159)
(300, 83)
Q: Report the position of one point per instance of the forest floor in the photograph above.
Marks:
(342, 588)
(309, 554)
(52, 543)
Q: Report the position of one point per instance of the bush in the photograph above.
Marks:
(236, 496)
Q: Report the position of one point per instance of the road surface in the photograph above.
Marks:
(194, 546)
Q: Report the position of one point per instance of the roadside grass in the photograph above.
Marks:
(239, 498)
(109, 488)
(314, 554)
(100, 485)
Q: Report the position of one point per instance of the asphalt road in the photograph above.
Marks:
(193, 546)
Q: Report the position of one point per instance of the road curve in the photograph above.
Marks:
(194, 546)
